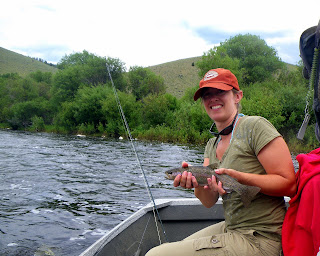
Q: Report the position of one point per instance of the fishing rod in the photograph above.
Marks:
(124, 120)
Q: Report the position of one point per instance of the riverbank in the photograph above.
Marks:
(181, 137)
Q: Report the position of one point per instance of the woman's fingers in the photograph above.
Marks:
(189, 180)
(221, 191)
(194, 182)
(184, 164)
(176, 181)
(214, 186)
(185, 180)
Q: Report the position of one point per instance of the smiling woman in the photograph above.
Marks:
(242, 149)
(225, 94)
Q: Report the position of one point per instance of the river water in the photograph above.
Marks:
(62, 193)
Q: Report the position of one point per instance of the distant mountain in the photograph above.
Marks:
(178, 75)
(12, 62)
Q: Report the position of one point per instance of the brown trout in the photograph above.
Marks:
(229, 184)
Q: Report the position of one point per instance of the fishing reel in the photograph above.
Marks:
(309, 51)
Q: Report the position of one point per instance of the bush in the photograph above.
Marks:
(20, 114)
(262, 99)
(191, 116)
(86, 128)
(158, 109)
(37, 124)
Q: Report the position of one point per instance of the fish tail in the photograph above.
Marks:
(248, 194)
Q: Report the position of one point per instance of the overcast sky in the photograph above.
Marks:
(148, 32)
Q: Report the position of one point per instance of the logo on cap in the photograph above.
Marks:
(210, 74)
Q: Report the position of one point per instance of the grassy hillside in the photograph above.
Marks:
(181, 74)
(12, 62)
(178, 75)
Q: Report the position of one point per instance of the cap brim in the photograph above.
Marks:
(220, 86)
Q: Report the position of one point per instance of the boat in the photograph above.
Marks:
(139, 233)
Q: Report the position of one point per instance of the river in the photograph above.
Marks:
(62, 193)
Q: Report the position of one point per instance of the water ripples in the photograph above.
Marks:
(64, 192)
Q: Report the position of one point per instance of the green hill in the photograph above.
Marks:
(182, 74)
(178, 75)
(12, 62)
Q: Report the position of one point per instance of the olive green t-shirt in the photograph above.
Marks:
(265, 214)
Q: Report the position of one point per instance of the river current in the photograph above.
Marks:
(60, 193)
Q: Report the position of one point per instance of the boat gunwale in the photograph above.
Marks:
(160, 203)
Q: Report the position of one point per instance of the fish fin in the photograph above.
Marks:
(213, 166)
(228, 190)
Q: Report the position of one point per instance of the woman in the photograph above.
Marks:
(252, 151)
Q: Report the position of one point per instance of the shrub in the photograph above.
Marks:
(37, 124)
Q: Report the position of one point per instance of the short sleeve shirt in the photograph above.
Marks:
(265, 214)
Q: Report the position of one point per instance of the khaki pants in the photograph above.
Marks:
(215, 240)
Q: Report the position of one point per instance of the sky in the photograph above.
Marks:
(146, 32)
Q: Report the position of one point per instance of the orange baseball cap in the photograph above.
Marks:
(218, 78)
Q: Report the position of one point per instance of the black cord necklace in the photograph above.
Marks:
(224, 131)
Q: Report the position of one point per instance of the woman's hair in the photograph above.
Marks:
(239, 107)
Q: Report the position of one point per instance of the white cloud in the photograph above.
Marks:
(146, 32)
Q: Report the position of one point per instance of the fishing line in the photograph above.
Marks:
(145, 229)
(313, 87)
(124, 120)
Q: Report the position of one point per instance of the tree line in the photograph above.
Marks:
(43, 61)
(79, 97)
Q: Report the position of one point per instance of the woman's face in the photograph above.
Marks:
(221, 105)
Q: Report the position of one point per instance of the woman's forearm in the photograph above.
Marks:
(270, 184)
(207, 197)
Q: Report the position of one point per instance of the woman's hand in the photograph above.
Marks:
(215, 186)
(186, 179)
(230, 172)
(208, 195)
